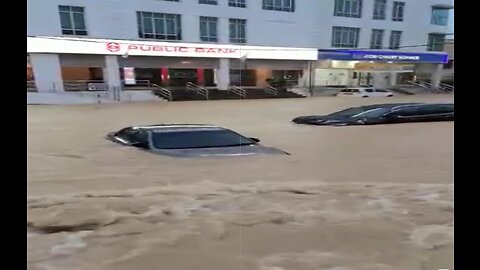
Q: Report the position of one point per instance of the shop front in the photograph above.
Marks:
(120, 64)
(377, 68)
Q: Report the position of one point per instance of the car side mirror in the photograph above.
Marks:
(255, 140)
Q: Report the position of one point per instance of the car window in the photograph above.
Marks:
(346, 90)
(408, 111)
(355, 90)
(381, 90)
(369, 90)
(198, 139)
(437, 109)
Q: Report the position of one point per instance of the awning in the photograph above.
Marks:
(383, 56)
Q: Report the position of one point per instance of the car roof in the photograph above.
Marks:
(176, 127)
(399, 105)
(389, 105)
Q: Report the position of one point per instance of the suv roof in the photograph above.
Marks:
(176, 127)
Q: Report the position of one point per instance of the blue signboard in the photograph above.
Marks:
(383, 56)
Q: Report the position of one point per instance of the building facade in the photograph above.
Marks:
(225, 42)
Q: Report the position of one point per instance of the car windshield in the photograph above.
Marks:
(360, 111)
(198, 139)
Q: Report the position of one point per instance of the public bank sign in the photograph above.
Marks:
(382, 56)
(73, 45)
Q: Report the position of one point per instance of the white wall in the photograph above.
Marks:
(309, 26)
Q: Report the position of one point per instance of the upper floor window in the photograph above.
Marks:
(72, 20)
(237, 30)
(379, 9)
(162, 26)
(345, 37)
(348, 8)
(395, 39)
(376, 41)
(279, 5)
(398, 11)
(440, 16)
(208, 2)
(237, 3)
(208, 29)
(435, 42)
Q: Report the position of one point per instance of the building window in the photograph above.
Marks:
(161, 26)
(379, 9)
(279, 5)
(376, 41)
(72, 20)
(348, 8)
(208, 2)
(345, 37)
(435, 42)
(395, 39)
(398, 11)
(440, 16)
(208, 29)
(237, 3)
(238, 30)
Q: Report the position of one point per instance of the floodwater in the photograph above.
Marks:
(347, 198)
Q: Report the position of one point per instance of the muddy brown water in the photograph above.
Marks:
(366, 197)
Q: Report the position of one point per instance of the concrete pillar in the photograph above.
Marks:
(47, 72)
(380, 79)
(223, 74)
(308, 74)
(112, 76)
(436, 77)
(393, 79)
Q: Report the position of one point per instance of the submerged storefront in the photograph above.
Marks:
(57, 61)
(373, 67)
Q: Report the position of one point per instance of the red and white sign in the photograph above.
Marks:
(129, 75)
(72, 45)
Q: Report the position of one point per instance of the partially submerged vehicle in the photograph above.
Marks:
(383, 114)
(190, 140)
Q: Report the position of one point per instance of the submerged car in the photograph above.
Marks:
(364, 92)
(383, 114)
(190, 141)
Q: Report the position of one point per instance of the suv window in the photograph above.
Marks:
(369, 90)
(381, 90)
(437, 109)
(408, 111)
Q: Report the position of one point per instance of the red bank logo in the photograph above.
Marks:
(113, 47)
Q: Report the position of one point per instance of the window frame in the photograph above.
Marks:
(341, 44)
(208, 2)
(278, 5)
(444, 19)
(73, 30)
(208, 21)
(238, 29)
(154, 18)
(380, 5)
(392, 34)
(436, 46)
(375, 41)
(397, 7)
(237, 3)
(340, 8)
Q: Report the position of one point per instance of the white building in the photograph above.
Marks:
(170, 42)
